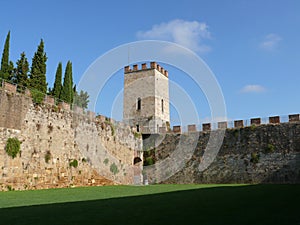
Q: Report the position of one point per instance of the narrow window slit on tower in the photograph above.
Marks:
(162, 106)
(137, 128)
(138, 104)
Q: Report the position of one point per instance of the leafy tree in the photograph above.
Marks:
(5, 64)
(21, 71)
(81, 99)
(67, 90)
(37, 77)
(57, 83)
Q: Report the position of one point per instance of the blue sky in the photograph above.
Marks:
(252, 47)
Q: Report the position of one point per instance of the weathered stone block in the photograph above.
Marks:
(64, 105)
(255, 121)
(135, 67)
(274, 119)
(10, 87)
(78, 110)
(238, 123)
(177, 129)
(127, 69)
(91, 115)
(49, 100)
(162, 130)
(101, 118)
(222, 125)
(166, 73)
(192, 128)
(206, 126)
(144, 130)
(153, 65)
(294, 118)
(144, 66)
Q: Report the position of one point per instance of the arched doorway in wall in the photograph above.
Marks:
(137, 171)
(136, 160)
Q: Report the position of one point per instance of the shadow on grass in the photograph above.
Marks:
(256, 204)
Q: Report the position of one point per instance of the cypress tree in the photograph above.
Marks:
(57, 83)
(37, 76)
(11, 70)
(74, 92)
(67, 89)
(21, 71)
(71, 78)
(5, 64)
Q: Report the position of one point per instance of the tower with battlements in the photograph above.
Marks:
(146, 98)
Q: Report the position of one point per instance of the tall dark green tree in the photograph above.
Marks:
(74, 93)
(11, 69)
(57, 83)
(73, 87)
(21, 71)
(81, 99)
(7, 66)
(67, 89)
(37, 77)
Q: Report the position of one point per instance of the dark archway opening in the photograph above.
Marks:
(136, 160)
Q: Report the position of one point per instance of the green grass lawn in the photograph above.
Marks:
(157, 204)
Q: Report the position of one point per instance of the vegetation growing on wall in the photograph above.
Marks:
(84, 160)
(149, 157)
(112, 127)
(270, 148)
(168, 126)
(149, 161)
(106, 161)
(114, 169)
(137, 135)
(37, 96)
(252, 127)
(254, 157)
(74, 163)
(236, 133)
(12, 147)
(47, 156)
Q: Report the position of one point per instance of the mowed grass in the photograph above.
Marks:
(62, 195)
(155, 205)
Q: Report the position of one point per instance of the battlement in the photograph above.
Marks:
(57, 104)
(236, 124)
(153, 65)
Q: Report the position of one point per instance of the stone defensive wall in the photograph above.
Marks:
(62, 147)
(258, 153)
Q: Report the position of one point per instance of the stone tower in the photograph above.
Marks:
(146, 98)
